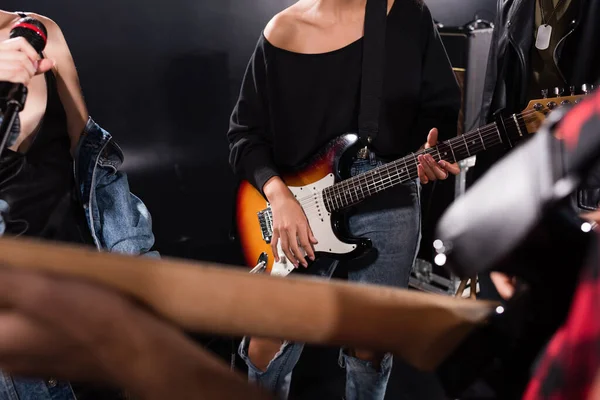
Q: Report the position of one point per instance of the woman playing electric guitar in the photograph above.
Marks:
(301, 89)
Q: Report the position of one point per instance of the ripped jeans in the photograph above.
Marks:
(392, 220)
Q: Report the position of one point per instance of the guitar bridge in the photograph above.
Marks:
(265, 219)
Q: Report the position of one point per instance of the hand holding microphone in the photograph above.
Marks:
(20, 56)
(20, 61)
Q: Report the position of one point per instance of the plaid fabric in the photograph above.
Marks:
(569, 368)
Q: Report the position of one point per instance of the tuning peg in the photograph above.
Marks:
(544, 93)
(585, 88)
(558, 91)
(592, 87)
(572, 90)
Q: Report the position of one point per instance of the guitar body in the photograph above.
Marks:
(327, 167)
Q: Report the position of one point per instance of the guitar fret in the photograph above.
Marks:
(386, 178)
(466, 145)
(345, 192)
(406, 166)
(499, 135)
(452, 150)
(376, 180)
(330, 198)
(481, 138)
(389, 178)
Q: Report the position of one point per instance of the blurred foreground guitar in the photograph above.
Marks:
(324, 191)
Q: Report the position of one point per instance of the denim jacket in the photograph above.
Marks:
(118, 221)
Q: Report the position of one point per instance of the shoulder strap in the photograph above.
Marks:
(372, 69)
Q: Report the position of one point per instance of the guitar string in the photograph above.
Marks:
(339, 193)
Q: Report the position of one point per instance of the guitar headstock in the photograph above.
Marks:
(537, 110)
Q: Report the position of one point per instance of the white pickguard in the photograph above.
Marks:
(319, 219)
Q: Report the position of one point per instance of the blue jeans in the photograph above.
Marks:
(392, 220)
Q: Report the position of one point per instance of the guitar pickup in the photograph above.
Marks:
(265, 219)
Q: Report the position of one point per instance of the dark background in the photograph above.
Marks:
(162, 77)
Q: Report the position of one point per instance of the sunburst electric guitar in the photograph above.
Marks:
(325, 192)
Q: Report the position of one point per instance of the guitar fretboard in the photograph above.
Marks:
(353, 190)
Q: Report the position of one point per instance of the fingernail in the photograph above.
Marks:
(312, 258)
(442, 163)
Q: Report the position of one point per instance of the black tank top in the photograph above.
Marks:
(39, 186)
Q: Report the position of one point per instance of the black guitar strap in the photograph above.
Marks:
(372, 70)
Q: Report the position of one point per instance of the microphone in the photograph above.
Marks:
(14, 95)
(33, 31)
(36, 35)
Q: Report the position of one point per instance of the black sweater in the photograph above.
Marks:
(291, 104)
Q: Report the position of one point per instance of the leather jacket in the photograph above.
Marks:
(508, 73)
(509, 66)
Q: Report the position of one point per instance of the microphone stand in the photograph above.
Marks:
(15, 102)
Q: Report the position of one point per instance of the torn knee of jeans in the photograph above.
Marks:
(379, 364)
(250, 363)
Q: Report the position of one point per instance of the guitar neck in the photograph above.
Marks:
(353, 190)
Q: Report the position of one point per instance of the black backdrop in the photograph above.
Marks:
(162, 77)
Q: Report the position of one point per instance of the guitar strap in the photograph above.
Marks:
(372, 70)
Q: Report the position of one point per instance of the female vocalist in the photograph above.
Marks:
(301, 89)
(40, 195)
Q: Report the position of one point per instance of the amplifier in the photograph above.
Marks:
(468, 49)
